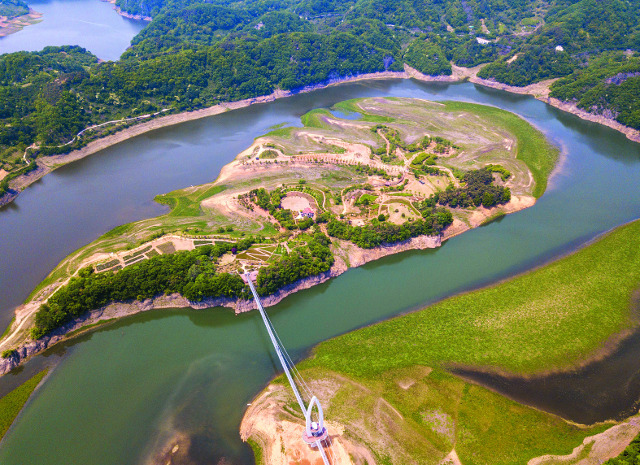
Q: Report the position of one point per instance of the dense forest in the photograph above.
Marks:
(192, 274)
(13, 8)
(609, 85)
(194, 54)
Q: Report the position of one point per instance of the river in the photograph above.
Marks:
(92, 24)
(116, 393)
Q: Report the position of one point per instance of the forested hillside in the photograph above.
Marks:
(194, 54)
(609, 85)
(13, 8)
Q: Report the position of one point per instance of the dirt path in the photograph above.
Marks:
(379, 132)
(454, 180)
(596, 449)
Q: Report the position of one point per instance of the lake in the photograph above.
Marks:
(117, 393)
(92, 24)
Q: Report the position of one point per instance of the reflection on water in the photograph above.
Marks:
(604, 390)
(354, 115)
(130, 385)
(91, 24)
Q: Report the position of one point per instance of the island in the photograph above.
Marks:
(354, 183)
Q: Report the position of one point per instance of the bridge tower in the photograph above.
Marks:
(315, 432)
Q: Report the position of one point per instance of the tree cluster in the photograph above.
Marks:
(192, 274)
(478, 190)
(381, 232)
(306, 260)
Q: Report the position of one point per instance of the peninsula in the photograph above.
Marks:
(15, 15)
(392, 394)
(365, 179)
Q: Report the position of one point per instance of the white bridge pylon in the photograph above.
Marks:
(315, 432)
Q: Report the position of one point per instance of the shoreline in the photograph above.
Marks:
(124, 14)
(18, 23)
(540, 91)
(355, 257)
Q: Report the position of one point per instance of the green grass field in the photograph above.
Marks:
(12, 403)
(551, 318)
(533, 147)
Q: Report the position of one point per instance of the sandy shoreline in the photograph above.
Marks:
(13, 25)
(539, 90)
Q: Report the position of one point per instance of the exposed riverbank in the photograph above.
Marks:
(354, 257)
(539, 90)
(12, 25)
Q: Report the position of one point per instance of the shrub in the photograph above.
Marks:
(9, 353)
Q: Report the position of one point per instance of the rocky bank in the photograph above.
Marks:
(347, 256)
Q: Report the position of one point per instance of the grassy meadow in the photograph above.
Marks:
(416, 411)
(12, 403)
(534, 149)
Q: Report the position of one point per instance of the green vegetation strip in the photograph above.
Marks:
(12, 403)
(8, 328)
(549, 318)
(188, 204)
(257, 451)
(534, 149)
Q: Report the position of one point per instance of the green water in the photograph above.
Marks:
(117, 393)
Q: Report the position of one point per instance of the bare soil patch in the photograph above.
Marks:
(596, 449)
(295, 202)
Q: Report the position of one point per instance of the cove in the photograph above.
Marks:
(118, 392)
(605, 389)
(91, 24)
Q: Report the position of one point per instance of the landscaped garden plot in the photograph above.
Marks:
(109, 264)
(166, 248)
(257, 253)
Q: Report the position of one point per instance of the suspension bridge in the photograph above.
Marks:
(315, 433)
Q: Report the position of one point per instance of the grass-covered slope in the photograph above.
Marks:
(12, 403)
(389, 384)
(550, 318)
(533, 149)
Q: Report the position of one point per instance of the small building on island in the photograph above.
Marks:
(306, 213)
